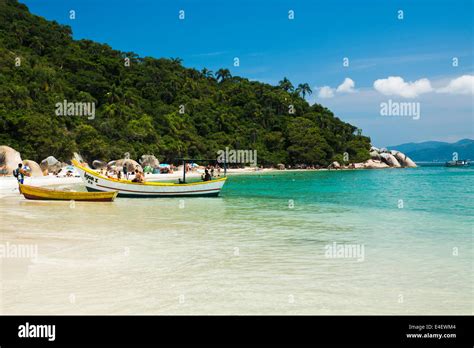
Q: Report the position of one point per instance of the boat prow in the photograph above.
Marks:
(95, 182)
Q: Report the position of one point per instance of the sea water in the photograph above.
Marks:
(395, 241)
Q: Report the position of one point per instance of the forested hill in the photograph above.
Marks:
(139, 107)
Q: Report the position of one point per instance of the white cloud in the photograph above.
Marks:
(347, 86)
(395, 85)
(326, 92)
(461, 85)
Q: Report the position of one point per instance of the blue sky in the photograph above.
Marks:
(310, 48)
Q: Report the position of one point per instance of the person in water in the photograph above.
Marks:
(19, 173)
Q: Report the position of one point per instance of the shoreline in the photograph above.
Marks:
(10, 184)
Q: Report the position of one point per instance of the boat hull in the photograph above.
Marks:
(153, 195)
(460, 164)
(95, 182)
(43, 194)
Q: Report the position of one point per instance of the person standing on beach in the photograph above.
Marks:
(125, 171)
(19, 173)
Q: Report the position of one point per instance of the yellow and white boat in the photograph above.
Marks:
(41, 193)
(95, 182)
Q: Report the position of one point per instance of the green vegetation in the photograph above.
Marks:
(138, 107)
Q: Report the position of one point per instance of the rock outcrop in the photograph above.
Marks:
(390, 159)
(403, 159)
(375, 155)
(373, 148)
(99, 164)
(76, 156)
(34, 168)
(382, 158)
(149, 160)
(50, 165)
(118, 165)
(9, 160)
(375, 164)
(358, 165)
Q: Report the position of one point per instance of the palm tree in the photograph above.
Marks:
(303, 89)
(176, 60)
(207, 73)
(194, 74)
(110, 110)
(286, 85)
(223, 74)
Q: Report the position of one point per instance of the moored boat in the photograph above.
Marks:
(41, 193)
(95, 182)
(458, 163)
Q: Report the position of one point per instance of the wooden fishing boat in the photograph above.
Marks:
(95, 182)
(40, 193)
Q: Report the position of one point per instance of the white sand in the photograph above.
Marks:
(10, 183)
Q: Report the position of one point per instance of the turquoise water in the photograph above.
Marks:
(261, 248)
(436, 190)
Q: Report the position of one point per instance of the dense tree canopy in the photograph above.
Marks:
(149, 106)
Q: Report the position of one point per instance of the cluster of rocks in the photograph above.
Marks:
(50, 165)
(117, 165)
(10, 158)
(379, 159)
(391, 158)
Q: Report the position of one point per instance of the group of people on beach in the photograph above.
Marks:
(22, 170)
(139, 176)
(209, 172)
